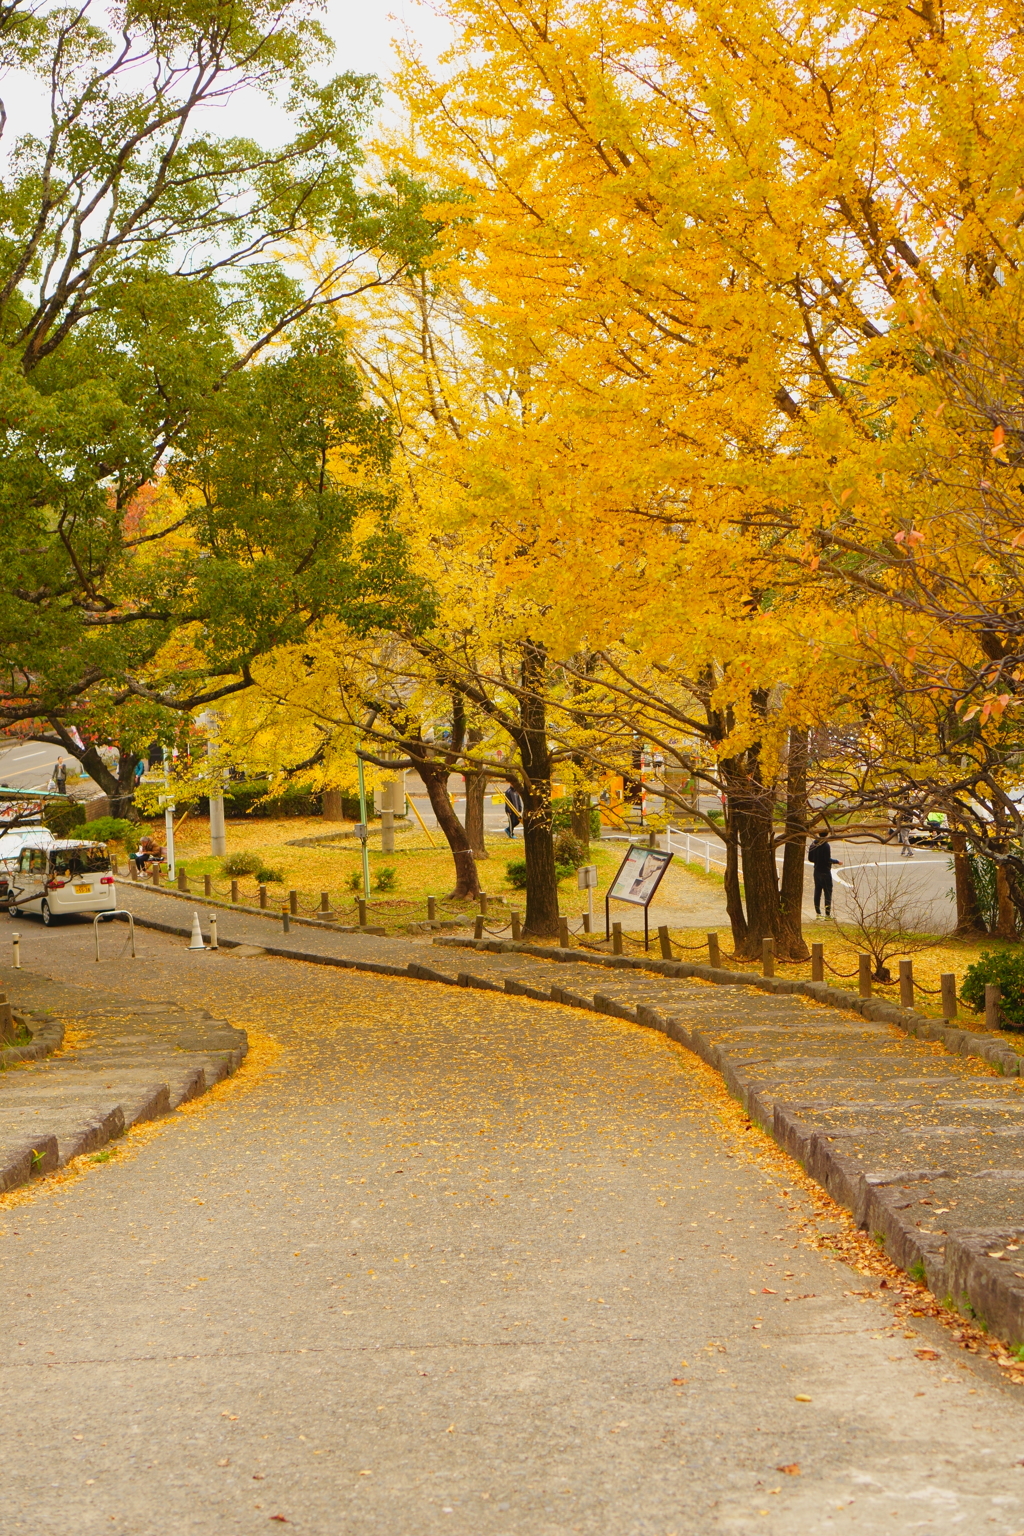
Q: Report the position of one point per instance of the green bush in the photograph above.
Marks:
(62, 816)
(386, 879)
(1006, 967)
(569, 851)
(267, 875)
(237, 865)
(515, 874)
(110, 829)
(355, 882)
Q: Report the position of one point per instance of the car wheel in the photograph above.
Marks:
(12, 909)
(48, 917)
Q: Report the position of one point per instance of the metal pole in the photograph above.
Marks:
(169, 839)
(213, 931)
(16, 942)
(366, 824)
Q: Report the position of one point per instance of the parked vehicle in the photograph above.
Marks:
(11, 844)
(61, 880)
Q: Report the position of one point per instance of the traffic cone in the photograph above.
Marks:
(197, 933)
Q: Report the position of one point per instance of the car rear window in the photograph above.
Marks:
(80, 861)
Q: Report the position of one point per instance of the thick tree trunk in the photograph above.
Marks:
(968, 912)
(1006, 920)
(435, 780)
(581, 816)
(118, 787)
(476, 788)
(794, 852)
(532, 740)
(733, 895)
(750, 809)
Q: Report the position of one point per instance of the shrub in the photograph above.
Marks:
(236, 865)
(355, 882)
(515, 874)
(110, 829)
(63, 816)
(386, 879)
(1006, 967)
(569, 851)
(266, 875)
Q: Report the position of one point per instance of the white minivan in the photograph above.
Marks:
(58, 881)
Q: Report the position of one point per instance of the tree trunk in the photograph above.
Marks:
(581, 816)
(1006, 921)
(750, 808)
(118, 787)
(733, 896)
(968, 912)
(435, 781)
(794, 852)
(532, 740)
(476, 788)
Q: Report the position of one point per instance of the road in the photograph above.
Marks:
(456, 1262)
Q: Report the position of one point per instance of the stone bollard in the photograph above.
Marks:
(517, 928)
(207, 886)
(947, 986)
(293, 903)
(864, 975)
(431, 909)
(714, 955)
(993, 997)
(361, 908)
(182, 878)
(616, 938)
(665, 942)
(817, 962)
(234, 891)
(906, 983)
(478, 927)
(767, 957)
(263, 897)
(563, 933)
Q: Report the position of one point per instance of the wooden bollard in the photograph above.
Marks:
(586, 921)
(767, 957)
(207, 885)
(182, 878)
(906, 983)
(431, 909)
(563, 933)
(361, 907)
(616, 938)
(478, 926)
(234, 891)
(517, 928)
(817, 962)
(293, 903)
(156, 874)
(325, 902)
(993, 997)
(714, 955)
(947, 986)
(263, 896)
(483, 904)
(864, 975)
(665, 942)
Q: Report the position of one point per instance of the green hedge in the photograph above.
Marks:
(1006, 967)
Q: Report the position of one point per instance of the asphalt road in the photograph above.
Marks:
(455, 1262)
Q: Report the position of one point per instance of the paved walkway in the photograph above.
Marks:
(467, 1263)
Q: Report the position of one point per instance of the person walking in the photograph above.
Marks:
(513, 809)
(820, 856)
(60, 776)
(904, 825)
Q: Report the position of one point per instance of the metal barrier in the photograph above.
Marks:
(116, 912)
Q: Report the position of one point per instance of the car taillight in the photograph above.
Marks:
(55, 885)
(106, 880)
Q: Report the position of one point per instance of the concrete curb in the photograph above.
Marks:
(47, 1037)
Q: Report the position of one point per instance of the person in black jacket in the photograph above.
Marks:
(820, 856)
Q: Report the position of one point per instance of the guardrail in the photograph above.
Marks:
(115, 912)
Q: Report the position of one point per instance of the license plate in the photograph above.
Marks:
(82, 890)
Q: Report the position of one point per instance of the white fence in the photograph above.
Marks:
(695, 850)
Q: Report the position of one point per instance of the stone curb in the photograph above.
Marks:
(47, 1037)
(960, 1267)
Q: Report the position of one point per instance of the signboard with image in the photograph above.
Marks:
(639, 875)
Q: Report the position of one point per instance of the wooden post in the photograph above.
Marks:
(817, 962)
(293, 903)
(483, 904)
(665, 942)
(616, 938)
(517, 931)
(207, 885)
(714, 957)
(563, 933)
(586, 921)
(767, 957)
(906, 983)
(325, 902)
(864, 975)
(234, 891)
(182, 878)
(156, 874)
(478, 926)
(263, 896)
(361, 905)
(431, 909)
(993, 997)
(947, 983)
